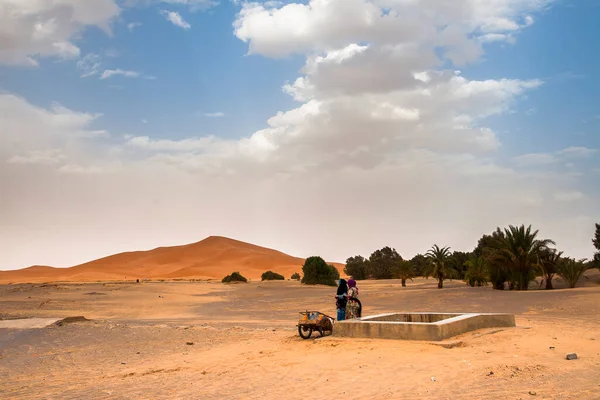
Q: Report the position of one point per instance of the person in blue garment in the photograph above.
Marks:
(341, 300)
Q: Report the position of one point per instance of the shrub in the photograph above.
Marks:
(295, 276)
(316, 271)
(271, 276)
(235, 277)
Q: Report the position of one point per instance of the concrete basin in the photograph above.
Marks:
(431, 326)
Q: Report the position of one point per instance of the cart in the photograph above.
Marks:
(314, 321)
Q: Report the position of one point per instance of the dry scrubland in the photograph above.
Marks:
(181, 340)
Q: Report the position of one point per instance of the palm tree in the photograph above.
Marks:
(404, 270)
(548, 263)
(477, 272)
(520, 252)
(440, 267)
(571, 270)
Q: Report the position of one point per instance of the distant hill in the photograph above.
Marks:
(211, 258)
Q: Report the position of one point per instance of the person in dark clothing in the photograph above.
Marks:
(341, 300)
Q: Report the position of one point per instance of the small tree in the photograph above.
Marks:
(477, 272)
(235, 277)
(404, 270)
(420, 264)
(357, 268)
(548, 264)
(440, 268)
(382, 263)
(520, 251)
(571, 270)
(458, 263)
(295, 276)
(316, 271)
(596, 242)
(489, 247)
(271, 276)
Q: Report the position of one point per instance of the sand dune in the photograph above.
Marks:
(211, 258)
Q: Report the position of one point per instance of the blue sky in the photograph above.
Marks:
(201, 70)
(358, 121)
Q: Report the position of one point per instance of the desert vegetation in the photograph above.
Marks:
(316, 271)
(509, 258)
(295, 276)
(234, 277)
(271, 276)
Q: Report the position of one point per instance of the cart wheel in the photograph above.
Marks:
(327, 327)
(321, 331)
(302, 334)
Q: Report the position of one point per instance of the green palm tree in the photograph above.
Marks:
(571, 270)
(477, 272)
(548, 263)
(440, 266)
(520, 252)
(404, 270)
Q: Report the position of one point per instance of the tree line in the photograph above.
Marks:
(512, 257)
(507, 258)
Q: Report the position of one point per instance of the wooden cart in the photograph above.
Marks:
(314, 321)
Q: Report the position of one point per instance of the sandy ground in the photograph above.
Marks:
(213, 341)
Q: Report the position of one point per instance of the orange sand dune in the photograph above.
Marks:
(211, 258)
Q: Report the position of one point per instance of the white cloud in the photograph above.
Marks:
(568, 196)
(496, 37)
(119, 72)
(144, 121)
(34, 29)
(82, 170)
(44, 157)
(578, 152)
(132, 25)
(175, 19)
(324, 24)
(568, 153)
(89, 65)
(214, 115)
(144, 142)
(535, 159)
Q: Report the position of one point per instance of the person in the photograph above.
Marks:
(340, 299)
(353, 306)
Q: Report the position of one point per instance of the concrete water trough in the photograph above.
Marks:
(420, 325)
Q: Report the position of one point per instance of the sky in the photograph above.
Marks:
(318, 127)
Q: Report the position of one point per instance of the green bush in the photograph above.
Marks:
(317, 272)
(295, 276)
(271, 276)
(235, 277)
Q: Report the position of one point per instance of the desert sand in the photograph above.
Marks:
(208, 340)
(210, 259)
